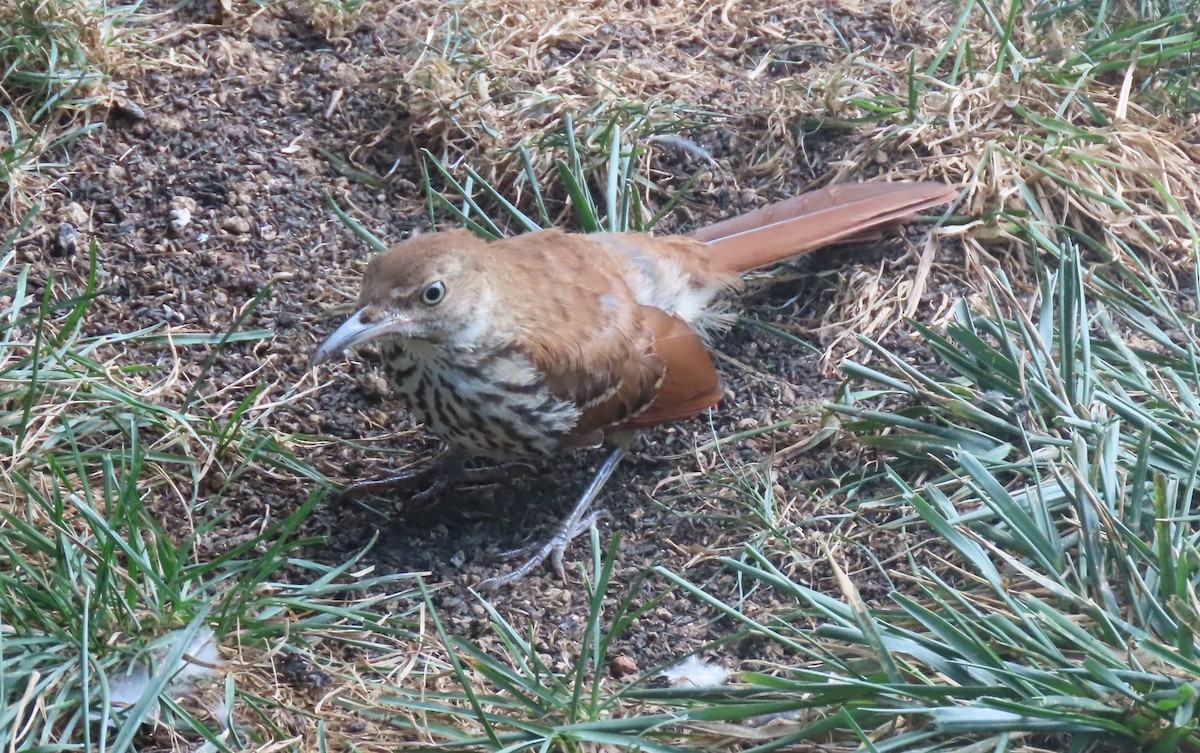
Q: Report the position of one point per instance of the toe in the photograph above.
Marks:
(556, 560)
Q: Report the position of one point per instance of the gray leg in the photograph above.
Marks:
(576, 523)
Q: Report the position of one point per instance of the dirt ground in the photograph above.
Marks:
(239, 116)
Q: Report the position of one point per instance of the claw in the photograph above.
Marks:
(558, 545)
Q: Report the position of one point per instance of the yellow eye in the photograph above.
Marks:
(433, 293)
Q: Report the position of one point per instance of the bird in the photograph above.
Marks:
(552, 341)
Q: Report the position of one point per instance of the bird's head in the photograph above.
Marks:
(427, 288)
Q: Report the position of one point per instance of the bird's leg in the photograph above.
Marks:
(430, 481)
(578, 521)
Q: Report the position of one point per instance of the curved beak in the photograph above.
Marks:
(355, 331)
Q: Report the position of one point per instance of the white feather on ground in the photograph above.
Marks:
(694, 672)
(200, 660)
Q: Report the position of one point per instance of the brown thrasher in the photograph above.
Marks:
(525, 346)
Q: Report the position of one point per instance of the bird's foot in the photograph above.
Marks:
(552, 549)
(429, 482)
(578, 521)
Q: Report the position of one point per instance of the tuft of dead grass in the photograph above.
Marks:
(490, 76)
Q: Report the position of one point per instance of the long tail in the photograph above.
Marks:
(815, 219)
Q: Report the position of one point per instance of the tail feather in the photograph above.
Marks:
(815, 219)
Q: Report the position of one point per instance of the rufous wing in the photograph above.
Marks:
(689, 382)
(630, 393)
(660, 373)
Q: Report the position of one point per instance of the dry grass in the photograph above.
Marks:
(497, 74)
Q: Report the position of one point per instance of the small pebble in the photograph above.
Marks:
(236, 225)
(75, 214)
(180, 218)
(65, 241)
(622, 666)
(129, 108)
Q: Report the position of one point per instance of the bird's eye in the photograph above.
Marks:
(433, 293)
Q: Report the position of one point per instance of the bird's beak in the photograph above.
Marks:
(355, 331)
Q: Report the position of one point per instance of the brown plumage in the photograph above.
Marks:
(527, 345)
